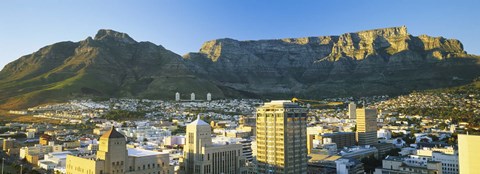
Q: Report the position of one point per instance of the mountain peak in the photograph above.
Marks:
(107, 34)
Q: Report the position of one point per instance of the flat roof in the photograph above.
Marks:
(140, 152)
(46, 162)
(62, 154)
(322, 157)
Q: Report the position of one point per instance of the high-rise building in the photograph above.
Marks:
(177, 96)
(366, 126)
(469, 153)
(201, 156)
(352, 113)
(209, 97)
(281, 138)
(192, 96)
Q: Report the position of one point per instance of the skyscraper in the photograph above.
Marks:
(201, 156)
(366, 126)
(352, 114)
(469, 153)
(281, 138)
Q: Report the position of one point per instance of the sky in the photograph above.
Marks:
(182, 26)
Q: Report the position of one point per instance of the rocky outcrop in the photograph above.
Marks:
(362, 63)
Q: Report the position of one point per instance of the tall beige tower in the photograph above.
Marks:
(352, 114)
(113, 150)
(198, 135)
(281, 138)
(366, 126)
(469, 153)
(201, 156)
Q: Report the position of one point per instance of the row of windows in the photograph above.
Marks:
(148, 166)
(118, 163)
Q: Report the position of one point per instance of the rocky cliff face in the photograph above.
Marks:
(112, 64)
(369, 62)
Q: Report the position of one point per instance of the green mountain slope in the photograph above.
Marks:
(110, 65)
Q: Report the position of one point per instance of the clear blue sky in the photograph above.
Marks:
(182, 26)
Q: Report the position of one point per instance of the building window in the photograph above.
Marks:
(190, 138)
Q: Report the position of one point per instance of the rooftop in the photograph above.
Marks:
(321, 157)
(141, 153)
(112, 133)
(199, 122)
(281, 103)
(60, 154)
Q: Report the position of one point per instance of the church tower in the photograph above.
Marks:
(198, 137)
(113, 150)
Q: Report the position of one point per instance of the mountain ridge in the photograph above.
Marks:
(112, 64)
(299, 64)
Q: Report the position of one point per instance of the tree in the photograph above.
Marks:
(396, 135)
(370, 163)
(354, 129)
(393, 152)
(180, 129)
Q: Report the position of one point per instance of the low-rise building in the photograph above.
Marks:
(39, 150)
(448, 156)
(408, 165)
(359, 152)
(342, 139)
(114, 157)
(174, 140)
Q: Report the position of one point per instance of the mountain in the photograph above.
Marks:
(112, 64)
(372, 62)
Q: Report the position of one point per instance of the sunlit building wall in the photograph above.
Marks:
(281, 138)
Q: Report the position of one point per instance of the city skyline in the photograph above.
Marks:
(239, 87)
(184, 26)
